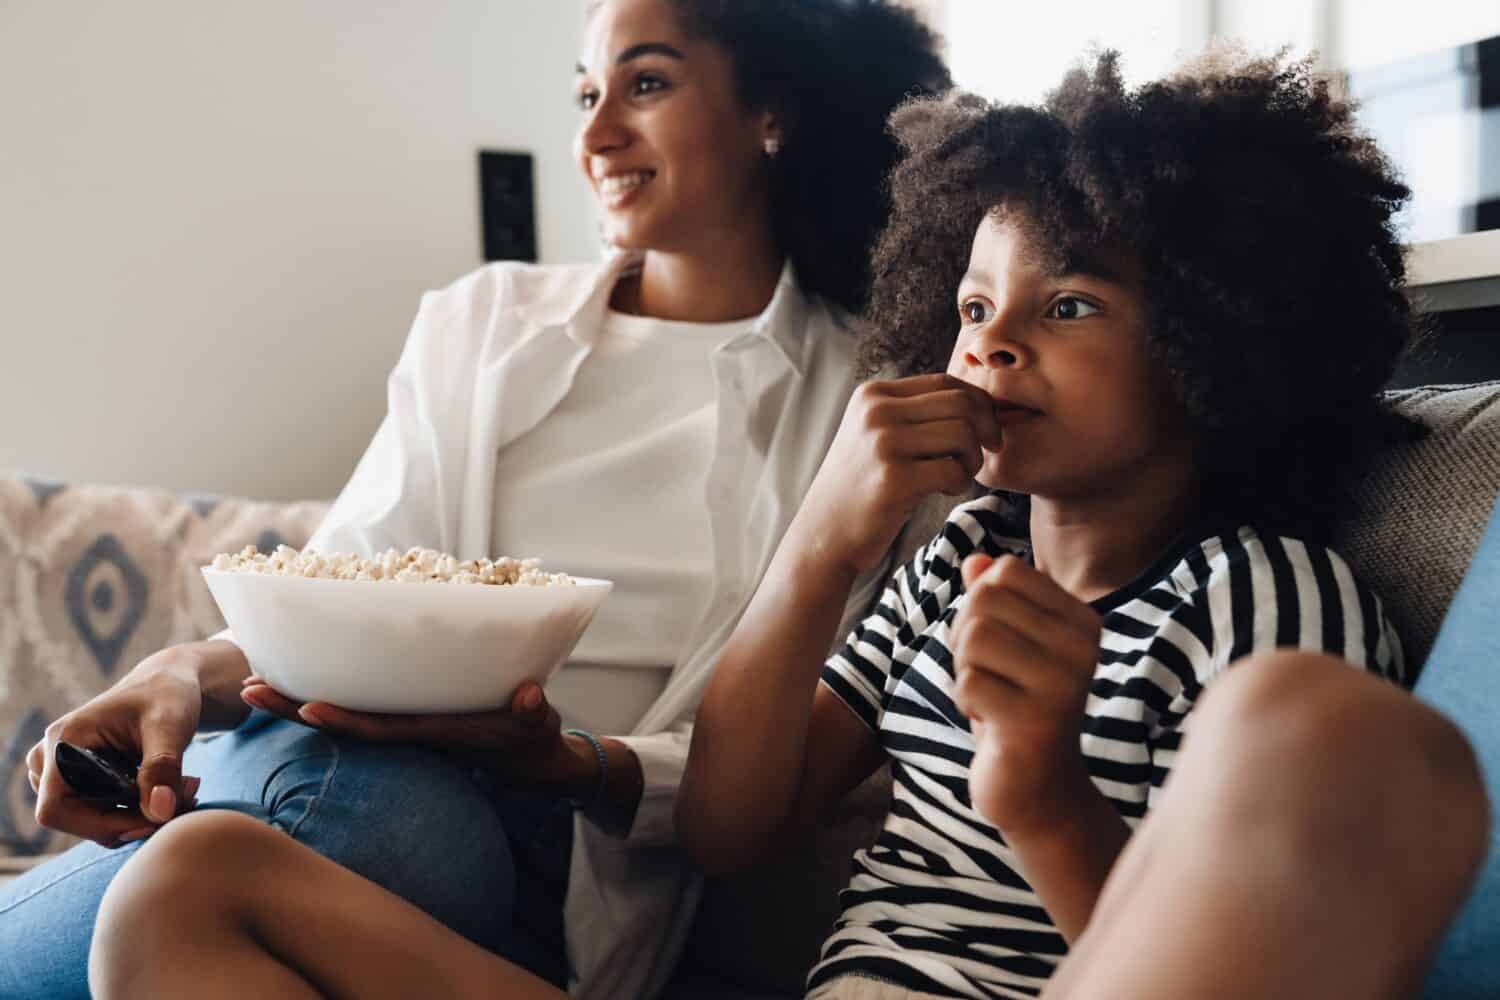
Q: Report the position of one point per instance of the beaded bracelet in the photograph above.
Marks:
(593, 741)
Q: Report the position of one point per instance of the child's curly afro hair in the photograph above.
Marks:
(1262, 220)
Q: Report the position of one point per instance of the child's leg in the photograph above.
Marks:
(218, 904)
(1462, 679)
(1317, 835)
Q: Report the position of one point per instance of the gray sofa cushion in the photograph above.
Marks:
(1423, 507)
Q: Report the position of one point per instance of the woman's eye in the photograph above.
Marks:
(587, 99)
(1071, 307)
(975, 311)
(646, 84)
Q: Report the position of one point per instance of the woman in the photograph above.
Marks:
(737, 152)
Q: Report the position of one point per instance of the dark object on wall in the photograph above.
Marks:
(507, 206)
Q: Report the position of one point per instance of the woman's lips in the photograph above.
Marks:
(619, 190)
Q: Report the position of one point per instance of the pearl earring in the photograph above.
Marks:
(773, 146)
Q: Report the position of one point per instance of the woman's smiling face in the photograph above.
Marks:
(1082, 403)
(668, 149)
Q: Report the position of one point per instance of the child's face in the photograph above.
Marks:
(1084, 409)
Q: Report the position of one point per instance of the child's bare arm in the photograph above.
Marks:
(769, 751)
(769, 748)
(1025, 651)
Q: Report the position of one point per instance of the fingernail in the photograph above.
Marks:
(140, 834)
(532, 698)
(308, 717)
(163, 802)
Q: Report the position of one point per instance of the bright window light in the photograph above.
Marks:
(1012, 51)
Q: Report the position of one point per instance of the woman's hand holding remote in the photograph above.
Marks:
(150, 716)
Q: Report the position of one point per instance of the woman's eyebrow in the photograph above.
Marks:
(643, 49)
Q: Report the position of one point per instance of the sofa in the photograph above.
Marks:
(94, 578)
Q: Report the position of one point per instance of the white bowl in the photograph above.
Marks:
(403, 647)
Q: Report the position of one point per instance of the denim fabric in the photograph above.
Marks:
(409, 819)
(1462, 679)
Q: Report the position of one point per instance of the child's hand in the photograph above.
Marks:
(899, 442)
(1024, 654)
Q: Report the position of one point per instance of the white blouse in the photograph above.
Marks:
(490, 360)
(612, 485)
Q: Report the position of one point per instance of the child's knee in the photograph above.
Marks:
(1353, 763)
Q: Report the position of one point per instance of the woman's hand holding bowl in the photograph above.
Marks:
(522, 742)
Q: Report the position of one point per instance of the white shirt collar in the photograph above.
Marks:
(783, 322)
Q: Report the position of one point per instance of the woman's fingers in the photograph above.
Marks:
(266, 698)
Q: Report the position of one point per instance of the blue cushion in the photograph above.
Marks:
(1462, 679)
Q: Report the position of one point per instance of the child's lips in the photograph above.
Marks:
(1008, 413)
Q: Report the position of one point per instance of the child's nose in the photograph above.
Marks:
(996, 353)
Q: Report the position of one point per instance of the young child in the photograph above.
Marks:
(1174, 307)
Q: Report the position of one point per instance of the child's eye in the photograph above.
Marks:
(587, 98)
(976, 311)
(1071, 307)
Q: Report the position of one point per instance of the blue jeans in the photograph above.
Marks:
(1462, 680)
(411, 820)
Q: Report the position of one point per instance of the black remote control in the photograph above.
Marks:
(104, 776)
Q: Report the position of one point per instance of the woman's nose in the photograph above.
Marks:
(602, 131)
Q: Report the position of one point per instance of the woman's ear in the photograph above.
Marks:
(771, 135)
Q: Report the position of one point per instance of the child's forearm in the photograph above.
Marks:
(1067, 862)
(750, 739)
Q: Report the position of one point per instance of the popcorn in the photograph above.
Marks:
(416, 565)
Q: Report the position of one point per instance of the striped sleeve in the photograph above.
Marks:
(863, 672)
(1268, 592)
(860, 671)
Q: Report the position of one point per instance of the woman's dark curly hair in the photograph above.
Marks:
(1262, 222)
(831, 71)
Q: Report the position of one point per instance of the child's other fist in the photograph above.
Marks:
(1024, 655)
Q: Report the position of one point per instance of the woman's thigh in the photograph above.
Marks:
(409, 820)
(164, 926)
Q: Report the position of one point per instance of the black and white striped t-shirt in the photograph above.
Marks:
(937, 904)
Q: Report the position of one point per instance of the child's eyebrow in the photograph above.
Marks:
(975, 276)
(1102, 267)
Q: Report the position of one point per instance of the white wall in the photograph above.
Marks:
(216, 219)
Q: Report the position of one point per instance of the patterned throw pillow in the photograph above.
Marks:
(92, 580)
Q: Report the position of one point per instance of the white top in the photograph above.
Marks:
(641, 412)
(489, 359)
